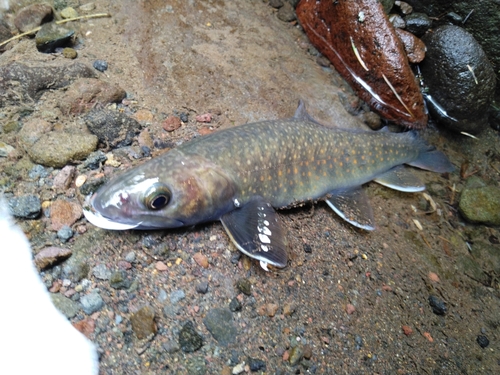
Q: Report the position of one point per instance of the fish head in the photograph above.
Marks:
(166, 192)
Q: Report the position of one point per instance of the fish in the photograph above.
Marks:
(242, 175)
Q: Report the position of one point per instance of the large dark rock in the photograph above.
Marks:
(482, 23)
(459, 77)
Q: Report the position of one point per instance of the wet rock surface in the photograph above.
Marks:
(362, 45)
(341, 304)
(32, 16)
(112, 127)
(459, 77)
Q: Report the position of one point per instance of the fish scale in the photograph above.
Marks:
(240, 175)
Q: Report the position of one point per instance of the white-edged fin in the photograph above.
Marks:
(401, 179)
(255, 230)
(353, 206)
(100, 221)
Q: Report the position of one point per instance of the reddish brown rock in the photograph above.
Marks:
(50, 255)
(172, 123)
(359, 40)
(85, 93)
(414, 47)
(64, 213)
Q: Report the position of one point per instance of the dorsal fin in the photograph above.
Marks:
(302, 114)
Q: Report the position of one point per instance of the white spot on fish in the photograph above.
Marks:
(264, 239)
(266, 222)
(236, 202)
(263, 265)
(264, 247)
(266, 231)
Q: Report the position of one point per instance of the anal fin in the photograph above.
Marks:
(353, 206)
(401, 179)
(255, 230)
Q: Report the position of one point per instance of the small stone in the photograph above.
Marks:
(69, 12)
(171, 346)
(276, 3)
(219, 323)
(113, 128)
(407, 330)
(32, 16)
(65, 233)
(143, 323)
(5, 149)
(296, 354)
(100, 65)
(64, 213)
(239, 368)
(235, 305)
(189, 339)
(130, 257)
(50, 255)
(143, 115)
(94, 160)
(308, 351)
(404, 6)
(482, 341)
(160, 266)
(70, 53)
(256, 364)
(87, 7)
(171, 123)
(85, 326)
(244, 286)
(52, 36)
(102, 272)
(63, 179)
(176, 296)
(201, 260)
(91, 303)
(65, 305)
(480, 205)
(418, 23)
(350, 309)
(206, 117)
(287, 13)
(120, 280)
(437, 304)
(202, 287)
(25, 206)
(288, 309)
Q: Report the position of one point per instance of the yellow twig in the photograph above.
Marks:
(397, 95)
(97, 15)
(358, 56)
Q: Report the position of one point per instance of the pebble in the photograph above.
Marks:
(143, 115)
(196, 365)
(235, 305)
(95, 159)
(206, 117)
(143, 323)
(25, 206)
(65, 305)
(171, 123)
(130, 257)
(64, 213)
(64, 177)
(171, 346)
(219, 323)
(70, 53)
(38, 171)
(189, 339)
(160, 266)
(407, 330)
(287, 13)
(69, 12)
(86, 93)
(32, 16)
(112, 128)
(350, 309)
(51, 255)
(256, 364)
(120, 280)
(437, 304)
(414, 47)
(65, 233)
(5, 149)
(482, 341)
(102, 272)
(202, 287)
(52, 36)
(100, 65)
(91, 303)
(244, 286)
(418, 23)
(176, 296)
(239, 368)
(276, 3)
(296, 354)
(480, 204)
(201, 260)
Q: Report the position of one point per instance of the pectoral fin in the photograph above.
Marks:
(255, 230)
(400, 178)
(353, 206)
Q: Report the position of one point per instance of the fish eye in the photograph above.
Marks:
(157, 196)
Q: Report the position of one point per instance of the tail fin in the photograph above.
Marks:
(433, 160)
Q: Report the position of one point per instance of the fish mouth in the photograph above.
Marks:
(97, 219)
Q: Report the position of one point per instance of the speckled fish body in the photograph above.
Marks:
(238, 175)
